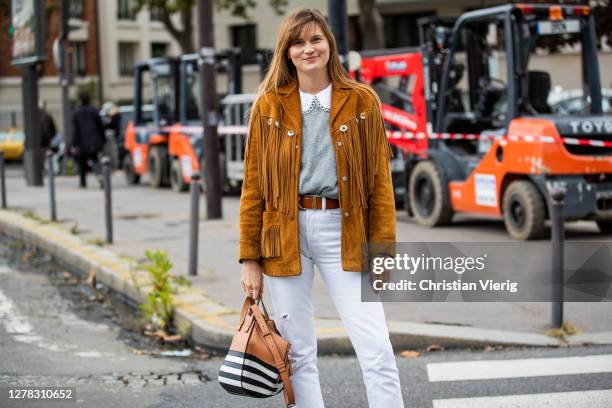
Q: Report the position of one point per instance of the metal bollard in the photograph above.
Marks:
(108, 208)
(51, 177)
(194, 190)
(558, 237)
(2, 179)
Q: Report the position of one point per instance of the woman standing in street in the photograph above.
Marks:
(317, 185)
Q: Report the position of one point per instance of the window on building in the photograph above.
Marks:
(126, 58)
(78, 58)
(402, 30)
(155, 14)
(76, 9)
(125, 10)
(243, 36)
(159, 50)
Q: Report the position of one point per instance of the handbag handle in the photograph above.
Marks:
(248, 301)
(245, 309)
(265, 311)
(278, 360)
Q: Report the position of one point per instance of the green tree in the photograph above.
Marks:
(182, 31)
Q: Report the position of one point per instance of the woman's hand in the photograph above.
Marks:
(252, 279)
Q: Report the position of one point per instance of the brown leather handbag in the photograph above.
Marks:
(257, 363)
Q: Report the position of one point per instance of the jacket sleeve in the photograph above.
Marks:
(382, 201)
(251, 200)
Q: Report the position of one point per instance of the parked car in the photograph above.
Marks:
(12, 143)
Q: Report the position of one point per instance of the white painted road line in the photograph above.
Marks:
(532, 367)
(18, 326)
(574, 399)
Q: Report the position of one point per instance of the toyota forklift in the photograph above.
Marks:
(468, 118)
(186, 140)
(146, 136)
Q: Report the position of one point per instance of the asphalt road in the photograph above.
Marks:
(56, 331)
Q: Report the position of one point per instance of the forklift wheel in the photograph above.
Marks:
(158, 166)
(524, 210)
(605, 226)
(177, 182)
(428, 193)
(128, 169)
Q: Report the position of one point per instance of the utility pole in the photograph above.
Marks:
(33, 157)
(65, 77)
(208, 96)
(336, 10)
(29, 52)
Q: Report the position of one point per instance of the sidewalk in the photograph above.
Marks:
(146, 218)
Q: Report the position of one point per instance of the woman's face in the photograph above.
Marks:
(310, 52)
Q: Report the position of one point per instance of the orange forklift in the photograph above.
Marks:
(468, 117)
(146, 136)
(170, 148)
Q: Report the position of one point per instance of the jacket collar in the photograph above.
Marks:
(289, 97)
(322, 98)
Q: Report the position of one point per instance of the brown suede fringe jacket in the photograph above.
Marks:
(269, 202)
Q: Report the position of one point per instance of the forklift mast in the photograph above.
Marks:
(163, 87)
(229, 61)
(516, 22)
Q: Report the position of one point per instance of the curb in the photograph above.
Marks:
(212, 324)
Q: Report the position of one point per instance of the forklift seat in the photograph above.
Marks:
(539, 88)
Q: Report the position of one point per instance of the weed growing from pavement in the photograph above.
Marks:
(97, 242)
(32, 215)
(158, 307)
(566, 329)
(74, 230)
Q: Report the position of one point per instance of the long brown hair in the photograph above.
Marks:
(282, 71)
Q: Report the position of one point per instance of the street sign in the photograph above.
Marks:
(28, 39)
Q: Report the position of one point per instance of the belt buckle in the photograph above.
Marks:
(300, 203)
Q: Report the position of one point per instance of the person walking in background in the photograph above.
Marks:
(87, 137)
(48, 129)
(317, 185)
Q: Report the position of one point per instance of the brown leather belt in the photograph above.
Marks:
(316, 203)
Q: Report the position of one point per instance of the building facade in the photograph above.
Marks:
(83, 60)
(127, 38)
(400, 26)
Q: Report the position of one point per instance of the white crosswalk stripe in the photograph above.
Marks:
(575, 399)
(531, 367)
(524, 368)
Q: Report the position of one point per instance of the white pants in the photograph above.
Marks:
(365, 322)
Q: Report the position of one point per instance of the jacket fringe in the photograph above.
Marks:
(270, 242)
(278, 170)
(365, 136)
